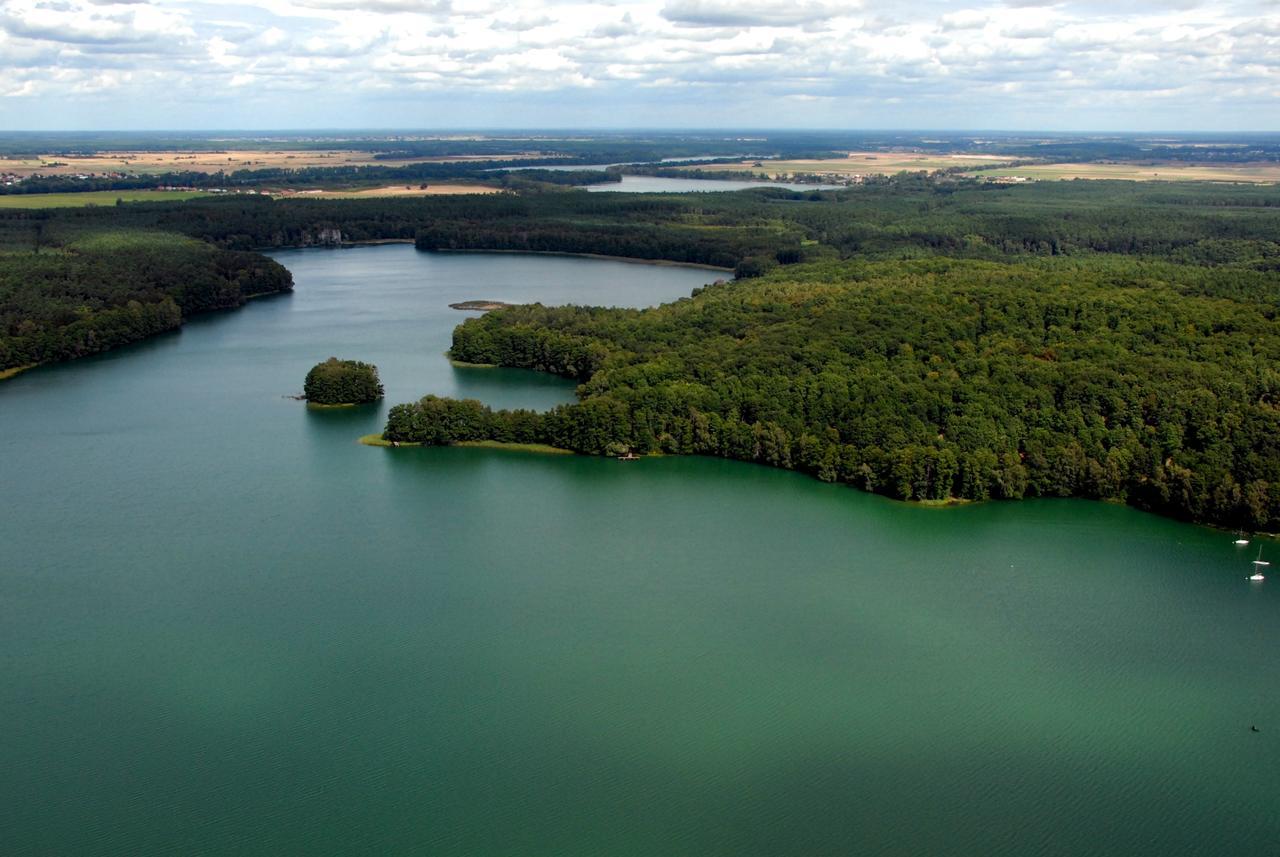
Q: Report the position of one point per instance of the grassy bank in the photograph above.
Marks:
(541, 448)
(378, 440)
(6, 374)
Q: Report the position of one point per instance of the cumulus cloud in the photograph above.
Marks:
(965, 19)
(1016, 63)
(521, 23)
(88, 23)
(616, 29)
(431, 7)
(751, 13)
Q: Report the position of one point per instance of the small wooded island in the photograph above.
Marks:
(483, 306)
(342, 382)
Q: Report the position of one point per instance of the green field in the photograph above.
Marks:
(94, 197)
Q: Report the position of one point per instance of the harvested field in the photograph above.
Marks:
(887, 163)
(1257, 173)
(213, 161)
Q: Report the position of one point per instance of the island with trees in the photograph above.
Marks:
(335, 382)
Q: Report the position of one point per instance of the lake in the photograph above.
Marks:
(578, 167)
(657, 184)
(227, 628)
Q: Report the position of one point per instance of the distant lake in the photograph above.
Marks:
(655, 184)
(575, 167)
(227, 628)
(562, 168)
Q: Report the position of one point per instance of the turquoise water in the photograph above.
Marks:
(227, 628)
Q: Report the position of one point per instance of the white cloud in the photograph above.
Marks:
(616, 29)
(921, 63)
(965, 19)
(383, 7)
(751, 13)
(87, 23)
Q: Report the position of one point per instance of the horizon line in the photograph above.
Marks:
(655, 129)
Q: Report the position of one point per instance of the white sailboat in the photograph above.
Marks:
(1258, 565)
(1241, 541)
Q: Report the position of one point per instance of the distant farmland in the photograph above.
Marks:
(151, 163)
(888, 163)
(1257, 173)
(858, 163)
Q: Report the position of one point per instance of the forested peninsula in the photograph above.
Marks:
(1047, 345)
(112, 288)
(926, 379)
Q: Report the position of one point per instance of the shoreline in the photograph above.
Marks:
(536, 448)
(373, 242)
(664, 263)
(462, 364)
(377, 440)
(949, 503)
(14, 371)
(367, 242)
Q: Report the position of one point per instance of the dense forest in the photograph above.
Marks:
(906, 215)
(114, 288)
(502, 174)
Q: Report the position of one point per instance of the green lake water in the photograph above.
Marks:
(227, 628)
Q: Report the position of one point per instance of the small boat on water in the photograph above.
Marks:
(1258, 565)
(1241, 541)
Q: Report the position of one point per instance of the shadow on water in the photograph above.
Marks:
(329, 425)
(501, 387)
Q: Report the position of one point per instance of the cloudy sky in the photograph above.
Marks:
(1022, 64)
